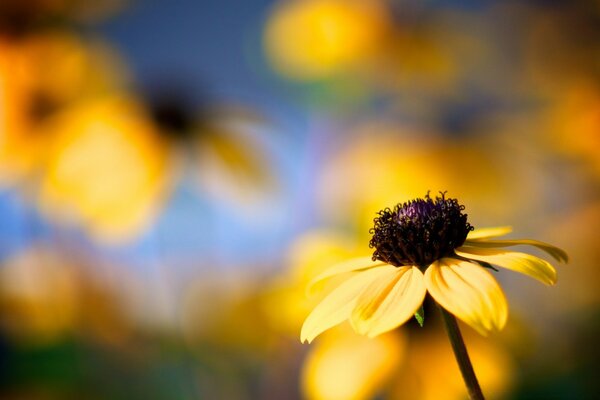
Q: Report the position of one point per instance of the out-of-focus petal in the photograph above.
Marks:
(343, 365)
(524, 263)
(315, 251)
(389, 301)
(469, 292)
(555, 252)
(337, 305)
(486, 233)
(430, 355)
(232, 165)
(354, 264)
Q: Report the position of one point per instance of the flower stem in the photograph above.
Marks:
(462, 357)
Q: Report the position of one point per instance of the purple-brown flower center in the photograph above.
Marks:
(419, 231)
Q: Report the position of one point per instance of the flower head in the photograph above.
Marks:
(426, 245)
(419, 232)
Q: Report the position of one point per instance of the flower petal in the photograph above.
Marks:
(556, 253)
(469, 292)
(354, 264)
(337, 305)
(524, 263)
(485, 233)
(389, 301)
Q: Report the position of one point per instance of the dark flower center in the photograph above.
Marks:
(419, 232)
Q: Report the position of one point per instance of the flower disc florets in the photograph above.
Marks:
(419, 232)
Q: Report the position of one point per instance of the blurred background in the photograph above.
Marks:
(173, 172)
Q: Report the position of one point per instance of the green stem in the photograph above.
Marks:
(462, 357)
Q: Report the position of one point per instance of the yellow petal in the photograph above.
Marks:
(521, 262)
(469, 292)
(354, 264)
(485, 233)
(389, 301)
(337, 305)
(555, 252)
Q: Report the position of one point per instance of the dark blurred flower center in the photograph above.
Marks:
(419, 232)
(173, 117)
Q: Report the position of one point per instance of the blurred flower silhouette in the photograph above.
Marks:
(402, 164)
(106, 160)
(429, 355)
(231, 161)
(38, 296)
(16, 146)
(106, 167)
(46, 295)
(346, 366)
(221, 144)
(430, 236)
(314, 39)
(40, 74)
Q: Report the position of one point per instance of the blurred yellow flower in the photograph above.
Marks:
(60, 67)
(46, 294)
(106, 168)
(232, 164)
(430, 355)
(421, 246)
(16, 144)
(402, 164)
(40, 74)
(38, 295)
(312, 39)
(223, 143)
(346, 366)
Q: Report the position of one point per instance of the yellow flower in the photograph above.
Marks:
(314, 39)
(426, 245)
(42, 74)
(429, 354)
(346, 366)
(107, 168)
